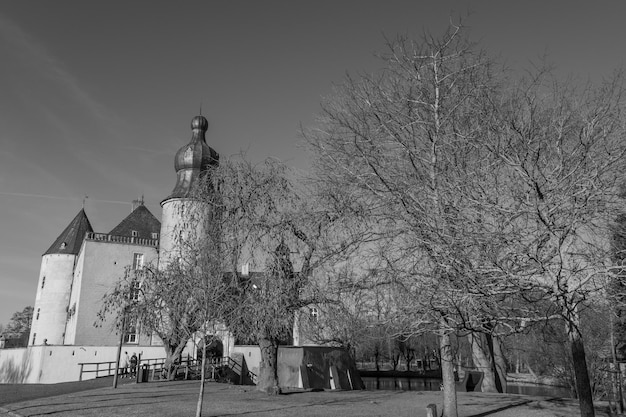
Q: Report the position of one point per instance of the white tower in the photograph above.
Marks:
(182, 220)
(55, 283)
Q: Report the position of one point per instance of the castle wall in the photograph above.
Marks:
(75, 289)
(53, 364)
(52, 299)
(99, 267)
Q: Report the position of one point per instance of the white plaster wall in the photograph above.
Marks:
(252, 355)
(52, 300)
(183, 225)
(53, 364)
(70, 326)
(22, 365)
(99, 267)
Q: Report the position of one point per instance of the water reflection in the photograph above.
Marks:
(401, 384)
(433, 384)
(543, 390)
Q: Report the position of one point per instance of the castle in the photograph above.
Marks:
(82, 265)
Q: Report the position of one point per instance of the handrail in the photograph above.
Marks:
(155, 365)
(237, 367)
(108, 370)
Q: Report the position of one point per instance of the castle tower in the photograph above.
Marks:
(55, 283)
(183, 217)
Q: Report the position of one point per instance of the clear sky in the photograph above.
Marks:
(97, 96)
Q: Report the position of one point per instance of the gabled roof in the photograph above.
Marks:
(70, 241)
(141, 221)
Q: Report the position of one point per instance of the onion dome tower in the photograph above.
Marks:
(55, 283)
(183, 217)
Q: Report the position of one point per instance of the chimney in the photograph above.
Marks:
(245, 269)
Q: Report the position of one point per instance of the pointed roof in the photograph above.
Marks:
(70, 241)
(141, 221)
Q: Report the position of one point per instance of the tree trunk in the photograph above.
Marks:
(172, 352)
(408, 360)
(202, 378)
(583, 385)
(618, 375)
(169, 360)
(268, 369)
(500, 363)
(447, 374)
(376, 359)
(395, 360)
(483, 361)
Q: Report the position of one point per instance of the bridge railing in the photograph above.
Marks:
(99, 368)
(155, 369)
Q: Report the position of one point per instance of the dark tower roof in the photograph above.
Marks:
(70, 241)
(193, 159)
(140, 221)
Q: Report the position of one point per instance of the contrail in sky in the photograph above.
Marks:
(64, 198)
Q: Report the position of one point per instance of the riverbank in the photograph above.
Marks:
(179, 398)
(534, 379)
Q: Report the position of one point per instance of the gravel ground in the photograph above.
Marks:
(179, 399)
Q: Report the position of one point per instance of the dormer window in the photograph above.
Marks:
(154, 235)
(63, 245)
(134, 233)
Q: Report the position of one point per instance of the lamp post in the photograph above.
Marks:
(119, 349)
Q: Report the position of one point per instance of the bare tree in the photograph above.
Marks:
(402, 145)
(270, 223)
(17, 330)
(158, 302)
(181, 298)
(564, 155)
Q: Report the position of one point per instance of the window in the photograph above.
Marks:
(314, 313)
(137, 261)
(37, 317)
(131, 333)
(130, 338)
(43, 282)
(34, 338)
(134, 291)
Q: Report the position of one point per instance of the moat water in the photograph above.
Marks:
(433, 384)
